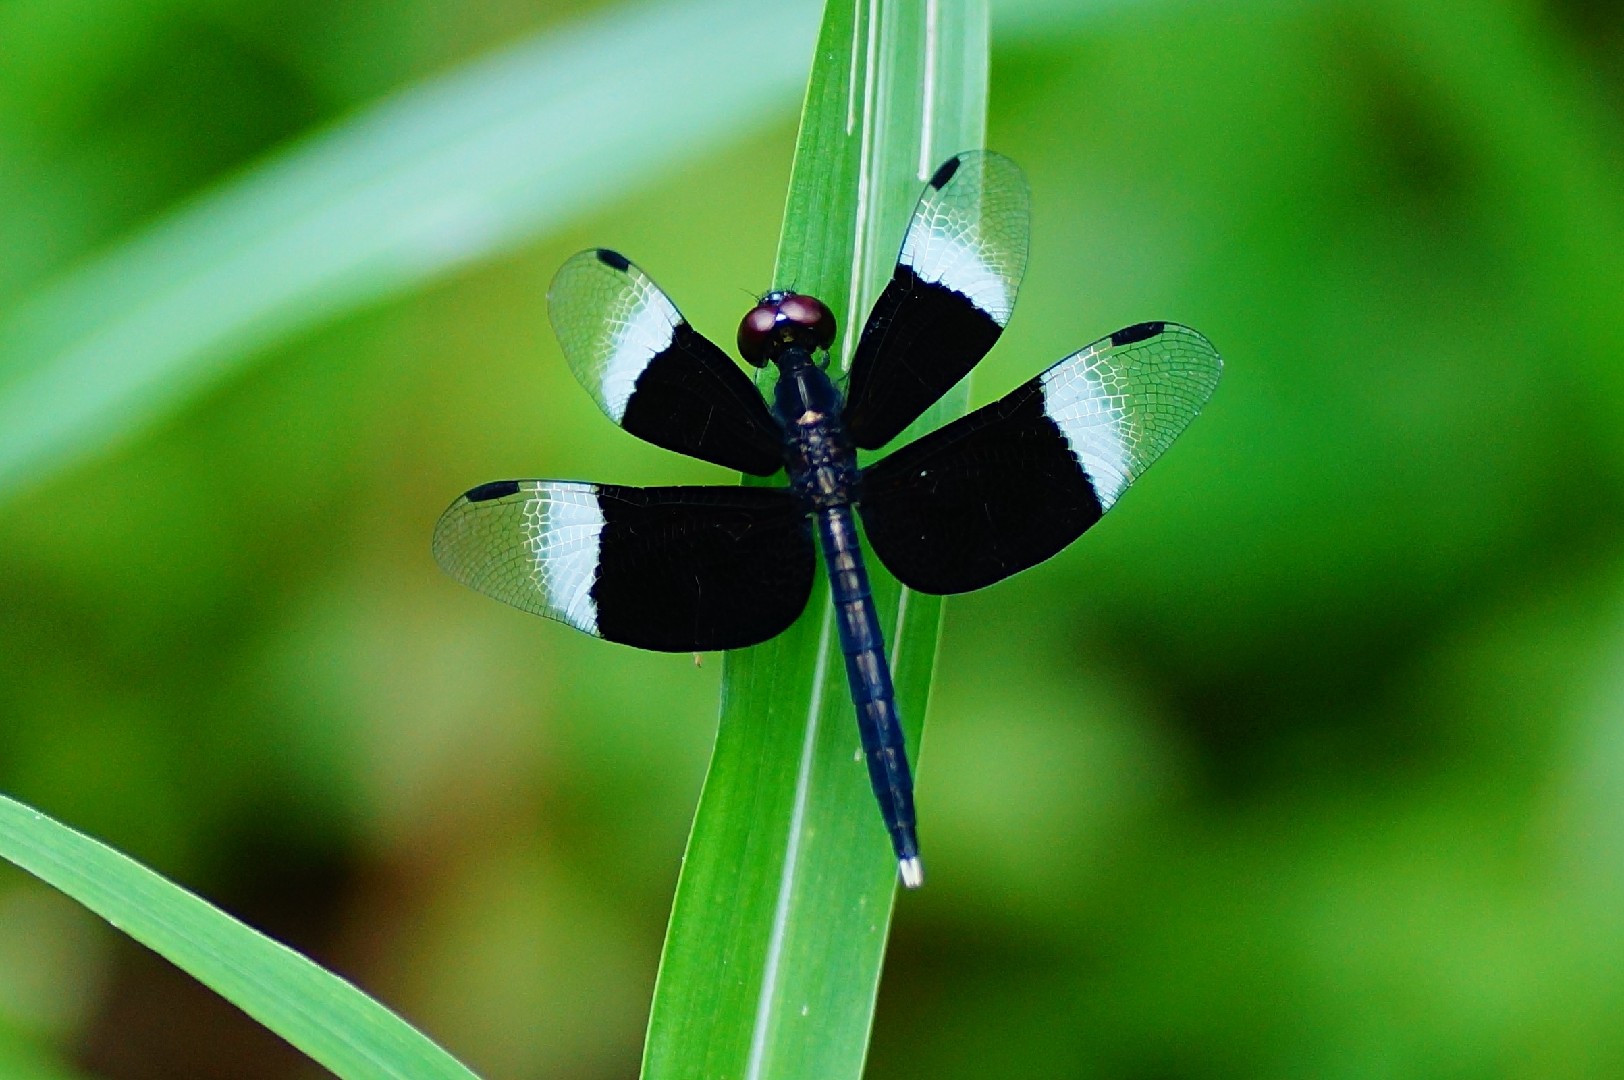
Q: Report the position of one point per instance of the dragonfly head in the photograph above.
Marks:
(784, 319)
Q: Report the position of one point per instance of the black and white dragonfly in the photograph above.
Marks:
(693, 569)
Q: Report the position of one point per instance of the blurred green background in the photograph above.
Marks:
(1309, 761)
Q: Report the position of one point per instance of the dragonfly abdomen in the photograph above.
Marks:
(869, 676)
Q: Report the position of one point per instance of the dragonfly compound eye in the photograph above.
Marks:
(811, 316)
(756, 332)
(785, 318)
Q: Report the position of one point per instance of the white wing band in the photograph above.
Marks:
(638, 330)
(958, 262)
(562, 527)
(1094, 422)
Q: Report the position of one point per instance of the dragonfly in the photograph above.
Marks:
(703, 568)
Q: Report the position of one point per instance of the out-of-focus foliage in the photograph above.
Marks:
(454, 170)
(1308, 761)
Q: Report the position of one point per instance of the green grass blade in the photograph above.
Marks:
(450, 172)
(777, 936)
(321, 1014)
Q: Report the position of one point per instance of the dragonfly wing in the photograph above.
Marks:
(948, 300)
(652, 373)
(1009, 485)
(677, 569)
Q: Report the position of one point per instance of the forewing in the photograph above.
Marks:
(949, 298)
(678, 569)
(652, 373)
(1009, 485)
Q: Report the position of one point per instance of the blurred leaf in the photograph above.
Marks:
(315, 1010)
(778, 930)
(445, 174)
(21, 1061)
(1547, 148)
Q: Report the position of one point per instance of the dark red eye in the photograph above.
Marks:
(782, 318)
(810, 313)
(756, 333)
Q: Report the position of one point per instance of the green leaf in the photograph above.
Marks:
(447, 173)
(316, 1011)
(777, 935)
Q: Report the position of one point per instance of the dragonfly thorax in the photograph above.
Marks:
(820, 458)
(804, 393)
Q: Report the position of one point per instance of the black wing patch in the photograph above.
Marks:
(1011, 484)
(677, 569)
(950, 297)
(652, 373)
